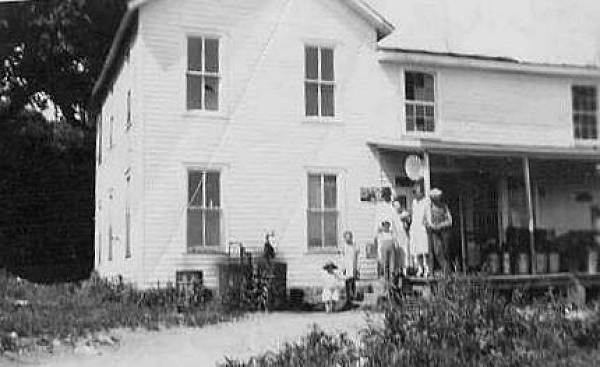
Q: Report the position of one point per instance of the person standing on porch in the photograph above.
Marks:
(385, 241)
(439, 222)
(419, 240)
(350, 266)
(400, 227)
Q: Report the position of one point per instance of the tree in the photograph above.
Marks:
(54, 50)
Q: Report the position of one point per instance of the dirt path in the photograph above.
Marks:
(206, 346)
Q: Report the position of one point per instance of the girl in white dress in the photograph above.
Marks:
(419, 240)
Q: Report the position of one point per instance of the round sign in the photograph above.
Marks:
(413, 166)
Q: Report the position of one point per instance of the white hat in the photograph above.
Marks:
(435, 193)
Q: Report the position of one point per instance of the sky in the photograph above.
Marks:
(542, 31)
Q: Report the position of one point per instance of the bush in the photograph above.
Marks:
(462, 324)
(316, 349)
(73, 310)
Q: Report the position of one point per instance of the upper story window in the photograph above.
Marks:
(111, 128)
(419, 95)
(100, 138)
(203, 73)
(319, 84)
(322, 213)
(204, 210)
(585, 112)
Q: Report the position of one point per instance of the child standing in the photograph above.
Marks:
(350, 266)
(331, 282)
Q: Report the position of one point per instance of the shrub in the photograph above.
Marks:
(73, 310)
(462, 324)
(316, 349)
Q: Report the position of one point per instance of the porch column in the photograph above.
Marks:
(426, 173)
(463, 236)
(530, 211)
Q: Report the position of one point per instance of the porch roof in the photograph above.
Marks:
(438, 146)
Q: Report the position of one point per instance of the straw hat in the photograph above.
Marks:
(435, 193)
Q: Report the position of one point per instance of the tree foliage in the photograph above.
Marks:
(52, 51)
(56, 47)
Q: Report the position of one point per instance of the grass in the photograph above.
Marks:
(73, 310)
(463, 324)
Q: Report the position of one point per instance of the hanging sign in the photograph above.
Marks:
(413, 166)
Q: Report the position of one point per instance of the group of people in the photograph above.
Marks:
(409, 241)
(412, 241)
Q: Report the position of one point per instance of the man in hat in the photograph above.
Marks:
(438, 221)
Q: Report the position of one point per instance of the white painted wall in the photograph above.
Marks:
(121, 160)
(262, 142)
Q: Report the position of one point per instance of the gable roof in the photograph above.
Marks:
(129, 22)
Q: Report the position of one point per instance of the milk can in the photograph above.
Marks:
(592, 261)
(506, 263)
(541, 262)
(553, 262)
(494, 263)
(523, 263)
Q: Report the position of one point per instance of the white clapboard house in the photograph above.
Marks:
(220, 120)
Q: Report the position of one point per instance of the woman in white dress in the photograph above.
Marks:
(419, 240)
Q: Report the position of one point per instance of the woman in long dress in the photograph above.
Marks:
(419, 241)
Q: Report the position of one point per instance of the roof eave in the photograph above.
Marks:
(480, 62)
(373, 17)
(113, 52)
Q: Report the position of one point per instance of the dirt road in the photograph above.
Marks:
(183, 347)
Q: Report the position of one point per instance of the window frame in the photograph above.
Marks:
(204, 248)
(320, 45)
(128, 111)
(100, 140)
(573, 112)
(128, 229)
(435, 104)
(220, 75)
(339, 210)
(110, 235)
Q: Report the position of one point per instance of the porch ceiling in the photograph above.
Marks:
(436, 146)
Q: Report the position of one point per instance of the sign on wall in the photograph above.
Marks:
(375, 194)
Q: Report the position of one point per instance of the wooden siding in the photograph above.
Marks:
(263, 144)
(123, 159)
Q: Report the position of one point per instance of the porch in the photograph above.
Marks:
(523, 215)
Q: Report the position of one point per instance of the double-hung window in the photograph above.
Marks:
(419, 95)
(128, 121)
(203, 76)
(319, 83)
(585, 112)
(204, 209)
(128, 221)
(110, 242)
(322, 213)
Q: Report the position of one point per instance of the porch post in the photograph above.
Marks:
(463, 240)
(527, 176)
(426, 173)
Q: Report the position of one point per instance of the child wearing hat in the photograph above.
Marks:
(331, 285)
